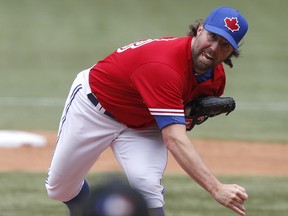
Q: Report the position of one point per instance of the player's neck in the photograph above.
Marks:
(197, 73)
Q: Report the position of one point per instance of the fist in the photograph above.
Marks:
(232, 196)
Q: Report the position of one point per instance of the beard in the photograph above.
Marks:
(202, 60)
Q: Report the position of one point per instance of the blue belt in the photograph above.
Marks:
(95, 101)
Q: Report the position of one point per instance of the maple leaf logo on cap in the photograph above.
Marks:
(232, 24)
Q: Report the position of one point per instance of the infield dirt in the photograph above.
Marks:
(222, 157)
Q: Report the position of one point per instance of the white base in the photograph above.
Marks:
(15, 139)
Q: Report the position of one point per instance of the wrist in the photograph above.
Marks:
(215, 188)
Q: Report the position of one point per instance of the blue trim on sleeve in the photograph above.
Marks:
(163, 121)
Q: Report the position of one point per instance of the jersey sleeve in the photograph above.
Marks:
(164, 121)
(161, 89)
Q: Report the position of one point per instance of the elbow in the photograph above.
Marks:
(169, 142)
(173, 134)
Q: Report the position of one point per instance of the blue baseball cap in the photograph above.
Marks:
(228, 23)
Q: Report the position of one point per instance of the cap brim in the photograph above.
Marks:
(222, 33)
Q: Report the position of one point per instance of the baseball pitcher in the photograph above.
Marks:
(140, 101)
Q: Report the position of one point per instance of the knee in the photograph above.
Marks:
(61, 192)
(56, 193)
(53, 194)
(151, 189)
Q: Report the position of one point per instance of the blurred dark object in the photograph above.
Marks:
(115, 198)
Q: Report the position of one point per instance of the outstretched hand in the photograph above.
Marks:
(232, 196)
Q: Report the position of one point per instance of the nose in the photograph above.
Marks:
(214, 46)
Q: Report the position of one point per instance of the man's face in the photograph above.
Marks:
(209, 50)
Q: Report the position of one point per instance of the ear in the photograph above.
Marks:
(200, 28)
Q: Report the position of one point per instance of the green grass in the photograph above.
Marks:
(244, 125)
(24, 194)
(44, 44)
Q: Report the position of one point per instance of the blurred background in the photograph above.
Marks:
(44, 44)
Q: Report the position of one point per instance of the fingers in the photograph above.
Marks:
(238, 201)
(236, 204)
(233, 197)
(238, 208)
(242, 196)
(241, 193)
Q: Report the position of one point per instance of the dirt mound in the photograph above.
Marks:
(222, 157)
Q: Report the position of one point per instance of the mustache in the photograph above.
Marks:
(210, 52)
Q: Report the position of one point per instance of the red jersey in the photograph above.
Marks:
(150, 78)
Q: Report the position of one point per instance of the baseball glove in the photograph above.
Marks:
(199, 110)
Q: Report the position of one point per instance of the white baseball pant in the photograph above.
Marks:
(85, 132)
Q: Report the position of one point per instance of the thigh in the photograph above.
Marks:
(83, 135)
(143, 156)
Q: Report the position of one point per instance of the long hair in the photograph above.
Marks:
(193, 33)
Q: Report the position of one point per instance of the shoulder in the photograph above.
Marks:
(219, 71)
